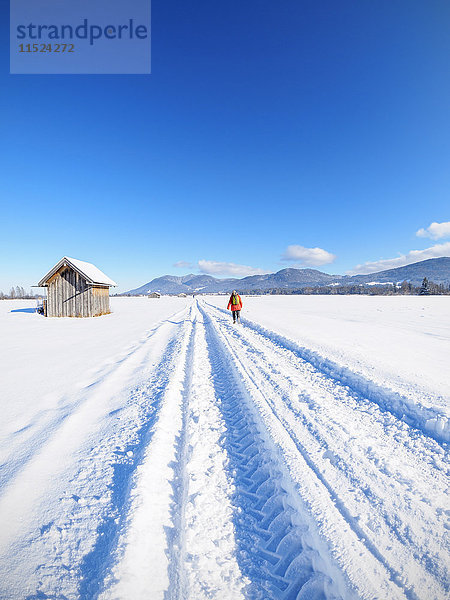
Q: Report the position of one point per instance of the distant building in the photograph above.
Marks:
(76, 289)
(154, 295)
(182, 295)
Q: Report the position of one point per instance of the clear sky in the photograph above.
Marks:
(269, 134)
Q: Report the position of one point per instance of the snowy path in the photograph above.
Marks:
(376, 487)
(216, 462)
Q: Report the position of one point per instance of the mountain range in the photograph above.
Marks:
(435, 269)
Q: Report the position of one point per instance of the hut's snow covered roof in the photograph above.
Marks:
(87, 270)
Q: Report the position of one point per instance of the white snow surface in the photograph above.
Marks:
(93, 273)
(161, 452)
(400, 344)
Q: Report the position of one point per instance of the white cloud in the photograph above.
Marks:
(182, 264)
(435, 231)
(404, 259)
(311, 257)
(227, 269)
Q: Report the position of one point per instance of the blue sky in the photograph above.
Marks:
(268, 135)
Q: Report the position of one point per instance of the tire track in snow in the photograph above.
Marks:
(427, 420)
(204, 564)
(276, 551)
(211, 514)
(139, 564)
(278, 374)
(47, 423)
(64, 553)
(177, 541)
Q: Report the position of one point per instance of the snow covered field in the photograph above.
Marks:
(161, 452)
(399, 344)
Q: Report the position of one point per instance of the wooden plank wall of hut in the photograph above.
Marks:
(68, 295)
(54, 296)
(100, 297)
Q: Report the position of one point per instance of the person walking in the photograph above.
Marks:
(235, 303)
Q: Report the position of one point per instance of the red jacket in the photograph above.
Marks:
(237, 306)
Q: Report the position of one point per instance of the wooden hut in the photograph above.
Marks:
(76, 289)
(154, 295)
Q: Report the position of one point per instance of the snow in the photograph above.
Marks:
(401, 345)
(92, 273)
(378, 283)
(49, 359)
(163, 452)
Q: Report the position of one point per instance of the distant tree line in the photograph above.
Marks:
(18, 292)
(406, 288)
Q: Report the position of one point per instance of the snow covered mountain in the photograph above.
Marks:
(286, 278)
(435, 269)
(171, 284)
